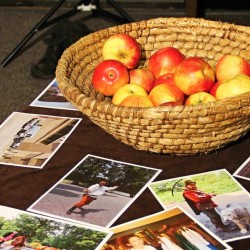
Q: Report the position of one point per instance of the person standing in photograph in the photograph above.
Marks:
(167, 243)
(91, 194)
(201, 202)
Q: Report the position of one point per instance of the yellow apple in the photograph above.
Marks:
(229, 66)
(136, 101)
(126, 90)
(235, 86)
(124, 48)
(199, 98)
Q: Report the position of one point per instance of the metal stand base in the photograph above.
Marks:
(83, 5)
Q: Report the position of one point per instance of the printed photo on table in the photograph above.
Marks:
(214, 198)
(96, 191)
(243, 171)
(51, 97)
(23, 230)
(168, 230)
(30, 140)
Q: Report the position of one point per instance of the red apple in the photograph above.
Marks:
(109, 76)
(165, 61)
(194, 75)
(136, 101)
(199, 98)
(143, 77)
(164, 93)
(166, 78)
(123, 48)
(214, 88)
(235, 86)
(229, 66)
(126, 90)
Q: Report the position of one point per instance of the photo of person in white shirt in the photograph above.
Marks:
(91, 194)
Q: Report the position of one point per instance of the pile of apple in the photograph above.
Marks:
(170, 77)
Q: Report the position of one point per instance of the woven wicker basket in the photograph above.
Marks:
(179, 130)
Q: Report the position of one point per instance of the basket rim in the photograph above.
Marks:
(85, 101)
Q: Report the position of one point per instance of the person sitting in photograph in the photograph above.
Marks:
(134, 242)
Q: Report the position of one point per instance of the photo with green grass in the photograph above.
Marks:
(170, 191)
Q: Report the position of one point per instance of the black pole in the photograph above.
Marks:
(120, 10)
(32, 32)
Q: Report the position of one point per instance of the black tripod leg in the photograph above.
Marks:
(103, 13)
(122, 18)
(120, 10)
(32, 32)
(45, 22)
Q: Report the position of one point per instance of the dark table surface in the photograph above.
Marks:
(21, 187)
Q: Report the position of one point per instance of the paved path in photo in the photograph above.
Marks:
(100, 212)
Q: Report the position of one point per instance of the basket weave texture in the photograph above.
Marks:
(179, 130)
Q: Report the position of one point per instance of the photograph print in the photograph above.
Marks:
(167, 230)
(30, 140)
(214, 198)
(21, 230)
(243, 171)
(51, 97)
(96, 191)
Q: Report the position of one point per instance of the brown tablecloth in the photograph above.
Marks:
(20, 187)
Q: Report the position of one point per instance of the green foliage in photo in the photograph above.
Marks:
(52, 233)
(130, 178)
(218, 182)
